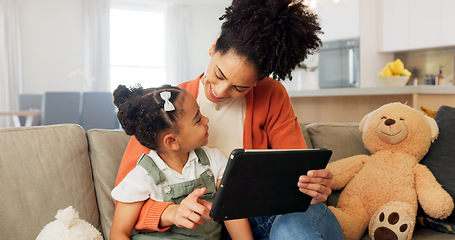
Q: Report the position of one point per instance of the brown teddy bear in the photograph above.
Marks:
(382, 190)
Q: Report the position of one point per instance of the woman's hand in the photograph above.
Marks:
(189, 213)
(317, 184)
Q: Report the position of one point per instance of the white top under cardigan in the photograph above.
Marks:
(226, 123)
(138, 185)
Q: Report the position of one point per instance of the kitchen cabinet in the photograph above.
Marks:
(352, 104)
(338, 20)
(394, 25)
(448, 23)
(417, 24)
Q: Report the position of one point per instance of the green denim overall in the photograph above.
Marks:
(175, 193)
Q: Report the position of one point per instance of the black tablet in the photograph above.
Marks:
(264, 182)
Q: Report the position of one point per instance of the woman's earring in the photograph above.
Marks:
(212, 49)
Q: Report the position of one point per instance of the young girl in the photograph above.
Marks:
(178, 169)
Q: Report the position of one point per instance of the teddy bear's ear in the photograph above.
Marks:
(434, 128)
(362, 123)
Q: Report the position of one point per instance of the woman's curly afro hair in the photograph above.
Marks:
(141, 112)
(274, 35)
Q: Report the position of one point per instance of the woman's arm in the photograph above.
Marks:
(283, 131)
(125, 217)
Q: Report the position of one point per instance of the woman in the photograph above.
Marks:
(247, 109)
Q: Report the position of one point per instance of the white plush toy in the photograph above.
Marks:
(68, 226)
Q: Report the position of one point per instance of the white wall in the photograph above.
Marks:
(206, 29)
(51, 44)
(52, 41)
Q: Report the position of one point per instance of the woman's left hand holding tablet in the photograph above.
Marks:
(188, 214)
(317, 184)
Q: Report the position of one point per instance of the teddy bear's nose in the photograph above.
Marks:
(389, 122)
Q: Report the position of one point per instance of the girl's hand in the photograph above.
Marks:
(317, 184)
(190, 211)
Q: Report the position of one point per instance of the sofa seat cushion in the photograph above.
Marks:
(43, 169)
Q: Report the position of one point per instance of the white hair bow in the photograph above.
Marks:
(168, 106)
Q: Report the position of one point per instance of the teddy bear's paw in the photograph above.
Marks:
(392, 225)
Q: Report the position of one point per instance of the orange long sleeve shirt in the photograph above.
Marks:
(270, 123)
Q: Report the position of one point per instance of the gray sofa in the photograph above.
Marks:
(47, 168)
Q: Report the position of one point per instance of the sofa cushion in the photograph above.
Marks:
(106, 149)
(344, 139)
(43, 169)
(440, 159)
(306, 136)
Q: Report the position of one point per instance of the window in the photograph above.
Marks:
(137, 48)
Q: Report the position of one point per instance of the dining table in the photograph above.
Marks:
(31, 117)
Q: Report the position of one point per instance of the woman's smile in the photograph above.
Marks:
(213, 95)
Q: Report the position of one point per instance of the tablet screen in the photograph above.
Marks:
(264, 182)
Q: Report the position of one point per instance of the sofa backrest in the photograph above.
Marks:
(306, 136)
(107, 146)
(48, 168)
(106, 149)
(43, 169)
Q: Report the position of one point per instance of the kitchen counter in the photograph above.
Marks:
(351, 104)
(422, 89)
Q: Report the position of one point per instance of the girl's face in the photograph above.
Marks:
(228, 76)
(193, 131)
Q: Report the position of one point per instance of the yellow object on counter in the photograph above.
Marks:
(395, 68)
(385, 72)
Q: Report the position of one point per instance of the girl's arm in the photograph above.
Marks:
(125, 217)
(151, 211)
(239, 229)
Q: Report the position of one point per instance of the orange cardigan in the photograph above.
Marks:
(273, 125)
